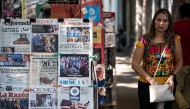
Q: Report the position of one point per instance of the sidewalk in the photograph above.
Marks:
(127, 80)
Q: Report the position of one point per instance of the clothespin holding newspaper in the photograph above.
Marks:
(28, 89)
(28, 54)
(92, 85)
(94, 57)
(57, 54)
(57, 85)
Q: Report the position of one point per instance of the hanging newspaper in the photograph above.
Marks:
(10, 95)
(75, 36)
(14, 76)
(44, 37)
(43, 76)
(14, 70)
(75, 97)
(15, 36)
(75, 77)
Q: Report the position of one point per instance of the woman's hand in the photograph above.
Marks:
(153, 81)
(156, 82)
(170, 81)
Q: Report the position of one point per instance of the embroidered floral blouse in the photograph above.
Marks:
(152, 54)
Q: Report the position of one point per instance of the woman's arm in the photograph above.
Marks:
(136, 61)
(178, 63)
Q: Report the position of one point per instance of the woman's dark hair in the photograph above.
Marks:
(169, 33)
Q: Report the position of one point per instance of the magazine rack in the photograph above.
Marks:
(110, 61)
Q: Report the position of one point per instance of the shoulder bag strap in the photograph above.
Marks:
(160, 61)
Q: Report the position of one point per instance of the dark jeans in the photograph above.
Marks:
(143, 94)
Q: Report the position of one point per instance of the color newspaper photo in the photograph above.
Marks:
(14, 103)
(14, 60)
(43, 101)
(78, 34)
(7, 50)
(44, 43)
(74, 65)
(21, 38)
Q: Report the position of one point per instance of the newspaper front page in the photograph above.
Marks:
(43, 77)
(74, 72)
(15, 36)
(75, 97)
(14, 76)
(75, 36)
(44, 36)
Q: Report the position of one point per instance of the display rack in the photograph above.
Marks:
(111, 79)
(110, 61)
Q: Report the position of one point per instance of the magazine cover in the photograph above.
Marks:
(38, 11)
(29, 8)
(65, 11)
(110, 41)
(109, 21)
(97, 53)
(15, 36)
(44, 36)
(45, 11)
(109, 24)
(12, 9)
(100, 72)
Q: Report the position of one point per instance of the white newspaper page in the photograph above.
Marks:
(14, 76)
(75, 36)
(14, 70)
(15, 36)
(44, 38)
(44, 69)
(43, 77)
(75, 97)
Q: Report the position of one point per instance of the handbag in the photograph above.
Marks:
(159, 93)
